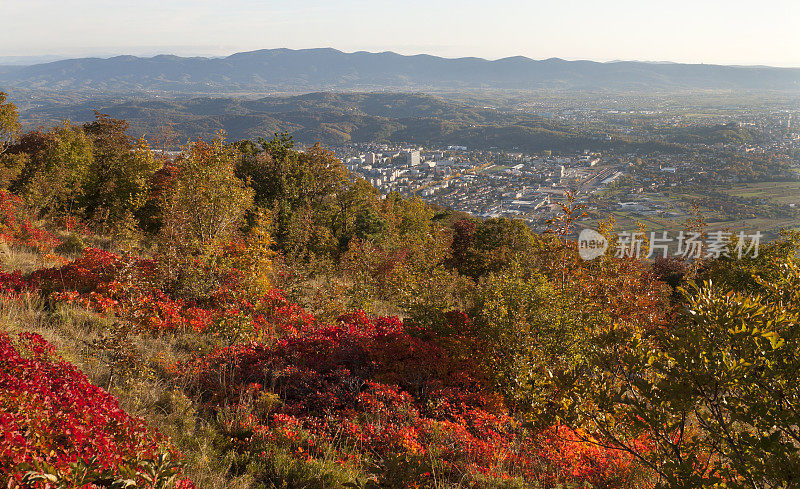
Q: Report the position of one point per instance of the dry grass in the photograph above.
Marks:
(86, 340)
(128, 365)
(19, 259)
(132, 365)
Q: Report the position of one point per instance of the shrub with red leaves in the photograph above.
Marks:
(52, 417)
(13, 283)
(16, 228)
(361, 390)
(128, 288)
(371, 384)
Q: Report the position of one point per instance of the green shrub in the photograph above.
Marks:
(72, 244)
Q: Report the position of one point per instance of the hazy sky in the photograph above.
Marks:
(698, 31)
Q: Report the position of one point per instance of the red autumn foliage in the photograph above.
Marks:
(51, 414)
(371, 384)
(625, 290)
(128, 288)
(359, 389)
(13, 283)
(17, 229)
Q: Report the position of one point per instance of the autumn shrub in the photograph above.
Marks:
(14, 282)
(696, 387)
(57, 165)
(131, 289)
(70, 245)
(59, 429)
(16, 227)
(202, 211)
(366, 393)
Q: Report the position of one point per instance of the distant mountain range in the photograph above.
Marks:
(329, 69)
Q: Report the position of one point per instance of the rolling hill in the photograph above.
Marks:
(340, 118)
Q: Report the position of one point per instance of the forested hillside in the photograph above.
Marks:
(339, 118)
(248, 315)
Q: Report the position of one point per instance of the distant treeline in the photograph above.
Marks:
(341, 118)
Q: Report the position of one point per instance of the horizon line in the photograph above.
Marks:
(60, 57)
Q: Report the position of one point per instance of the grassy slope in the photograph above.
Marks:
(131, 366)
